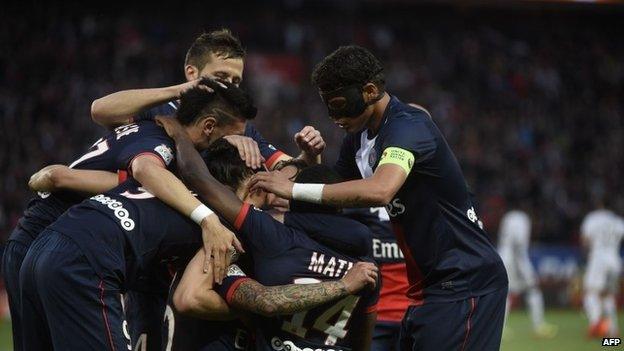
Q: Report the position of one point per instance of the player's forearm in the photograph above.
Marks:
(60, 177)
(285, 299)
(356, 193)
(193, 170)
(194, 295)
(117, 108)
(167, 187)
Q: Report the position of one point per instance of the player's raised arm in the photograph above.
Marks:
(377, 190)
(60, 177)
(193, 170)
(247, 294)
(119, 108)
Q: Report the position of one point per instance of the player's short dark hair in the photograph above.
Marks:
(225, 164)
(221, 43)
(346, 66)
(317, 174)
(227, 103)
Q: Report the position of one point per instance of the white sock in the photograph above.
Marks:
(591, 302)
(535, 301)
(610, 311)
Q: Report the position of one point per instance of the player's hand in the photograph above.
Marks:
(310, 141)
(359, 276)
(276, 182)
(171, 125)
(217, 242)
(248, 150)
(184, 87)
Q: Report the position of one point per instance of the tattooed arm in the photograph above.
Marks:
(195, 296)
(288, 299)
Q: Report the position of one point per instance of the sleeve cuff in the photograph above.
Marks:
(232, 289)
(271, 161)
(122, 176)
(242, 214)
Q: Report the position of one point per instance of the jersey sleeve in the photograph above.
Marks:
(160, 146)
(411, 135)
(267, 150)
(234, 278)
(345, 164)
(261, 233)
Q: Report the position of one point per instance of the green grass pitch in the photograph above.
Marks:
(571, 336)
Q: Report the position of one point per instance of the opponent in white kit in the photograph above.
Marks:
(602, 232)
(513, 247)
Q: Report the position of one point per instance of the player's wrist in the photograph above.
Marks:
(344, 287)
(201, 215)
(308, 192)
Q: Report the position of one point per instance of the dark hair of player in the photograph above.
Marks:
(221, 43)
(227, 103)
(348, 65)
(318, 174)
(225, 164)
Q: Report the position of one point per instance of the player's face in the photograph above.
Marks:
(230, 69)
(354, 124)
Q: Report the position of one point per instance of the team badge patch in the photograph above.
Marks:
(235, 271)
(165, 152)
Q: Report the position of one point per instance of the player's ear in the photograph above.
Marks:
(370, 92)
(191, 72)
(208, 125)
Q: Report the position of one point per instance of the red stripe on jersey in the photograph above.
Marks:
(242, 214)
(393, 301)
(232, 289)
(149, 153)
(414, 275)
(105, 315)
(473, 305)
(122, 175)
(271, 161)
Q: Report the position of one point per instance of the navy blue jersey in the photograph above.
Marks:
(268, 151)
(284, 255)
(449, 256)
(113, 152)
(384, 245)
(127, 232)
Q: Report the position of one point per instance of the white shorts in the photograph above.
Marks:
(602, 274)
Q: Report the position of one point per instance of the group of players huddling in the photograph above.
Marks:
(183, 229)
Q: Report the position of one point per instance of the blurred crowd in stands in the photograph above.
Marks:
(532, 103)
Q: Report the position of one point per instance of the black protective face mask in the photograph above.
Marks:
(345, 102)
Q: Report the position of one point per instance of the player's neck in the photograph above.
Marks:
(374, 123)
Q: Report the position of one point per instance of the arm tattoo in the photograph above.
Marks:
(285, 299)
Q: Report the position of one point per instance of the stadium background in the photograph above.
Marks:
(528, 94)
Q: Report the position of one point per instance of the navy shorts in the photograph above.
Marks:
(65, 304)
(14, 253)
(386, 336)
(472, 324)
